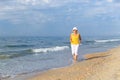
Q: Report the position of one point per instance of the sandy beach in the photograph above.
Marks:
(97, 66)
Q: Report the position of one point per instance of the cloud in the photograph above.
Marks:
(109, 0)
(37, 15)
(21, 11)
(46, 1)
(38, 3)
(50, 3)
(103, 9)
(11, 8)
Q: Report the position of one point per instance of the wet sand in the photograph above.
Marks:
(97, 66)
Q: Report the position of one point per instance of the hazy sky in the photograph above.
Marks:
(58, 17)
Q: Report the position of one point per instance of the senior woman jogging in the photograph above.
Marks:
(75, 40)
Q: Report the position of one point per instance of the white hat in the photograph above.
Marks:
(75, 28)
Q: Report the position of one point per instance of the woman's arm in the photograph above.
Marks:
(70, 38)
(80, 37)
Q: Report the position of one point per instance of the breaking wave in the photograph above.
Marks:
(52, 49)
(108, 40)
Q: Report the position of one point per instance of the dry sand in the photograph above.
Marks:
(97, 66)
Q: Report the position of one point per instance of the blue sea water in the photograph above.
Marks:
(19, 55)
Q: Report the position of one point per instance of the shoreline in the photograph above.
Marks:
(97, 66)
(94, 67)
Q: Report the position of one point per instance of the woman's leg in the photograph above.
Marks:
(73, 51)
(76, 52)
(75, 57)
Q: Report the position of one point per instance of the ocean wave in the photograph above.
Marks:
(13, 55)
(108, 40)
(52, 49)
(2, 56)
(9, 56)
(18, 45)
(26, 52)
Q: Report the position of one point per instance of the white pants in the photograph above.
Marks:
(74, 49)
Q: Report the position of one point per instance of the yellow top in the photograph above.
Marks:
(75, 39)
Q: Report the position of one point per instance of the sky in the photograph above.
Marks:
(58, 17)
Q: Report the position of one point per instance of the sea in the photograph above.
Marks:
(25, 55)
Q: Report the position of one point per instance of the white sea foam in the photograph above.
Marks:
(109, 40)
(52, 49)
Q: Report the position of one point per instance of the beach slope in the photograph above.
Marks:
(97, 66)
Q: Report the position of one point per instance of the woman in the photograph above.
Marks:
(75, 40)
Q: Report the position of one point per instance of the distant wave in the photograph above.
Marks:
(108, 40)
(18, 45)
(52, 49)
